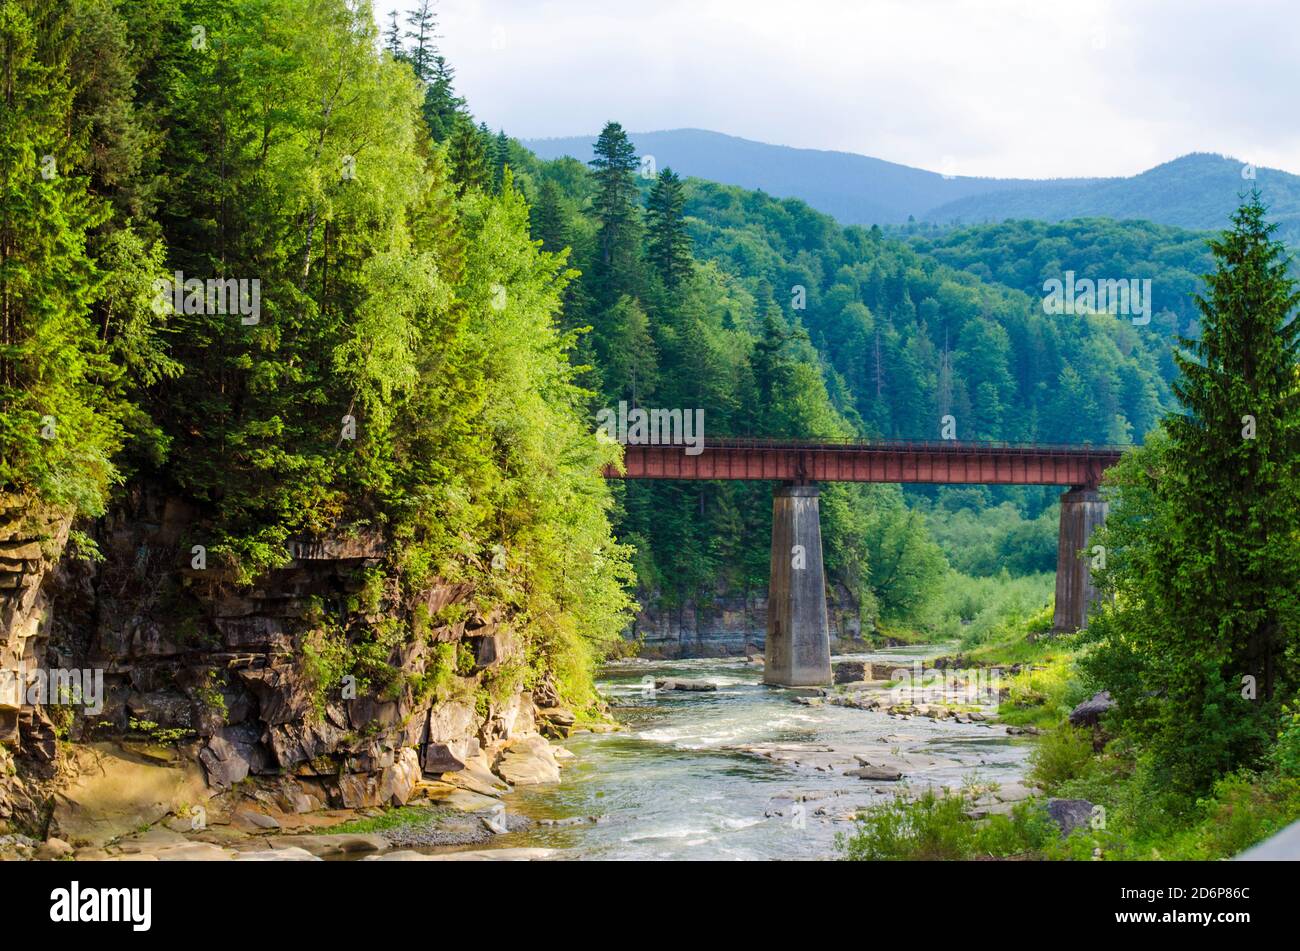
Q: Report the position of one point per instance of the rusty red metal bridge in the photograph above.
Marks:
(804, 461)
(797, 645)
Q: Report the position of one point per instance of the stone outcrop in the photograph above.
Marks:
(732, 624)
(1089, 712)
(234, 681)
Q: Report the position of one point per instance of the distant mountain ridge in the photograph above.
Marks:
(1197, 191)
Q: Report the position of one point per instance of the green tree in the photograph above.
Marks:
(615, 207)
(1206, 566)
(468, 158)
(669, 250)
(59, 423)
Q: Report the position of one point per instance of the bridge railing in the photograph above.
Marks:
(907, 445)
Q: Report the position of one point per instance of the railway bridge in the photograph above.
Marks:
(798, 636)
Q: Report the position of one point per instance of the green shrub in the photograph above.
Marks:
(935, 826)
(1286, 754)
(1061, 756)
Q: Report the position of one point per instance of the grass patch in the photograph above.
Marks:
(934, 826)
(397, 817)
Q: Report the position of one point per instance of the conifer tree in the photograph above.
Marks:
(669, 245)
(468, 158)
(393, 36)
(422, 31)
(1200, 647)
(615, 207)
(500, 159)
(441, 107)
(58, 426)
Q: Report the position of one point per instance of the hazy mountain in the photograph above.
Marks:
(1195, 191)
(856, 189)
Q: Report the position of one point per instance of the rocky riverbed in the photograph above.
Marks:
(709, 763)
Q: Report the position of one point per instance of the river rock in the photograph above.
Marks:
(1070, 814)
(277, 855)
(476, 855)
(850, 671)
(53, 849)
(1089, 712)
(477, 778)
(556, 723)
(439, 759)
(528, 762)
(672, 683)
(875, 773)
(341, 843)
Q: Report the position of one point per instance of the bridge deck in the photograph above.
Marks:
(792, 460)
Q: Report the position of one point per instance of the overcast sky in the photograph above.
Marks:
(1033, 88)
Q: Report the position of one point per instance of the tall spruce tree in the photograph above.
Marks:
(441, 104)
(669, 250)
(615, 206)
(500, 159)
(422, 31)
(468, 158)
(1200, 648)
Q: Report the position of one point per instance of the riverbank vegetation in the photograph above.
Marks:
(1196, 642)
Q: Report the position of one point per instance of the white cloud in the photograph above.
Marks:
(1034, 88)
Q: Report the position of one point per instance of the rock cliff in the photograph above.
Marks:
(243, 681)
(731, 624)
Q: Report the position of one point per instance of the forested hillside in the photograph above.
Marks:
(416, 365)
(1025, 254)
(855, 189)
(778, 321)
(386, 357)
(1196, 191)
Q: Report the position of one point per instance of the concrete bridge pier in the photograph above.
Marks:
(798, 652)
(1082, 510)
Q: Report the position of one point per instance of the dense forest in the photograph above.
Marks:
(402, 307)
(393, 358)
(778, 321)
(417, 360)
(260, 255)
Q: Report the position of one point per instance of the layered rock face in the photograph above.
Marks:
(29, 542)
(733, 624)
(238, 676)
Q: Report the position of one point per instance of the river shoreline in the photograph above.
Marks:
(708, 763)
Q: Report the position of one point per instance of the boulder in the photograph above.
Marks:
(528, 762)
(1070, 814)
(875, 773)
(850, 671)
(115, 793)
(439, 759)
(556, 722)
(476, 778)
(671, 683)
(337, 843)
(231, 754)
(51, 850)
(1089, 712)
